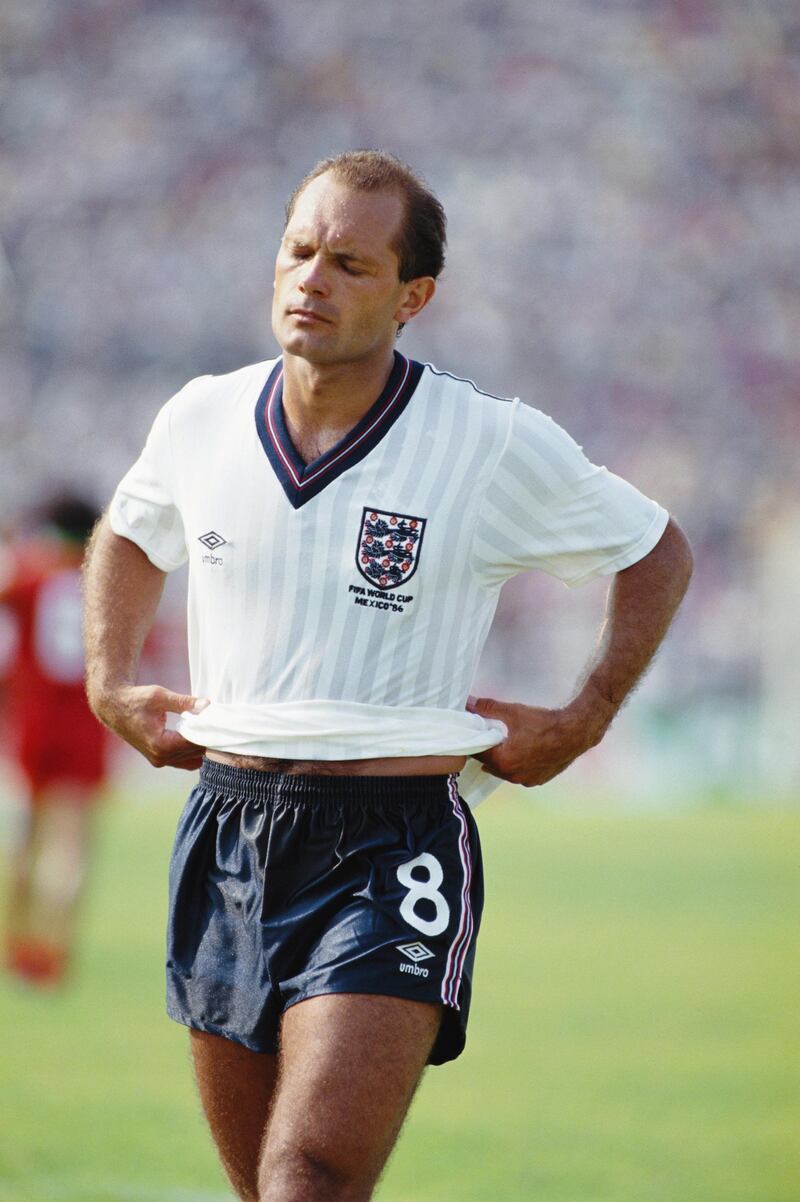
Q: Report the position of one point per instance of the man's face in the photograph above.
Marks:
(337, 291)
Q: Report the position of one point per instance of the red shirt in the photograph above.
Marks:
(52, 730)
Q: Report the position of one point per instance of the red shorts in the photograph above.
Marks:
(63, 745)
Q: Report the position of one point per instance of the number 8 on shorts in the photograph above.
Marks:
(426, 889)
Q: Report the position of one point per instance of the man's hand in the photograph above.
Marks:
(138, 713)
(121, 593)
(541, 743)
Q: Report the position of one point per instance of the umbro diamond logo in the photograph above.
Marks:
(415, 951)
(212, 540)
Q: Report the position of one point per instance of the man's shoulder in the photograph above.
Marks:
(480, 413)
(466, 388)
(214, 389)
(520, 424)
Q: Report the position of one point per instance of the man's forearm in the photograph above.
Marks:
(641, 604)
(122, 589)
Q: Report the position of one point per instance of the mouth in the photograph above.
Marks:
(307, 315)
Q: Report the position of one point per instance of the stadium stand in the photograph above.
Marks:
(622, 182)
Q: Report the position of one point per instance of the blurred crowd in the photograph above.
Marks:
(622, 181)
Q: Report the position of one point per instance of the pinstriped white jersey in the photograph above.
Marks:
(337, 610)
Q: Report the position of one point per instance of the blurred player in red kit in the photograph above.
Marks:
(57, 744)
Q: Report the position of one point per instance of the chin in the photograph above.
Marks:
(312, 349)
(299, 342)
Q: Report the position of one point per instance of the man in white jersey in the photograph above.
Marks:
(349, 517)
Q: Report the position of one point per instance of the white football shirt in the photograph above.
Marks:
(337, 609)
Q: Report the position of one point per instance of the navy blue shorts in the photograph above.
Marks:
(286, 887)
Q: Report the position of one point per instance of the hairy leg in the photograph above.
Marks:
(236, 1088)
(349, 1066)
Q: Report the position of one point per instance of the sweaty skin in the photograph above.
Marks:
(337, 305)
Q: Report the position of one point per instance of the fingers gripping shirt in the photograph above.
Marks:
(337, 610)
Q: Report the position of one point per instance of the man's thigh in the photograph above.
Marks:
(349, 1066)
(236, 1088)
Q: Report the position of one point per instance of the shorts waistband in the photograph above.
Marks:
(268, 788)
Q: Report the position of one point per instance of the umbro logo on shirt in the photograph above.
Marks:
(213, 541)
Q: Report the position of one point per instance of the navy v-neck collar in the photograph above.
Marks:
(302, 481)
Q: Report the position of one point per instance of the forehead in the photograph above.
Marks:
(341, 218)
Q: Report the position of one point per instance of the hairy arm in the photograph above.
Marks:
(122, 589)
(642, 601)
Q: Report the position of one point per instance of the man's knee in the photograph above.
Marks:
(305, 1175)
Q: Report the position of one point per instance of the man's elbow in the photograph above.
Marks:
(668, 565)
(674, 554)
(682, 551)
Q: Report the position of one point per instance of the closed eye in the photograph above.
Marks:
(300, 253)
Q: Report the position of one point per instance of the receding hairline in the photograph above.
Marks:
(421, 236)
(390, 190)
(379, 188)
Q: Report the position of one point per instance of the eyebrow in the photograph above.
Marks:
(351, 254)
(296, 240)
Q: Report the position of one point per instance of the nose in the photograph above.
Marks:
(314, 281)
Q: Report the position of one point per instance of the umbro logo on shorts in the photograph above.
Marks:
(415, 951)
(212, 540)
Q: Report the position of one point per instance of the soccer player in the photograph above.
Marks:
(58, 744)
(349, 516)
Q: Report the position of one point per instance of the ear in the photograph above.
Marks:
(416, 294)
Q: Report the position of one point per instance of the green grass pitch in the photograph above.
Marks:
(634, 1035)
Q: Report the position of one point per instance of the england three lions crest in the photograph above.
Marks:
(389, 546)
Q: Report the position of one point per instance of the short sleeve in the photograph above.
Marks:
(143, 508)
(548, 507)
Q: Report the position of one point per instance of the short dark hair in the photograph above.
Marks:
(72, 515)
(422, 238)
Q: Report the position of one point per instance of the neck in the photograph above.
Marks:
(332, 396)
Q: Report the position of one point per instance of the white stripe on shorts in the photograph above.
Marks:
(458, 948)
